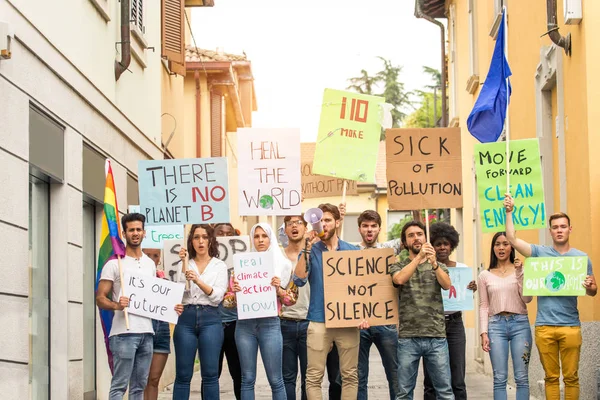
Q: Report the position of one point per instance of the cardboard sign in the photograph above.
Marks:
(171, 260)
(269, 171)
(526, 184)
(358, 286)
(554, 276)
(424, 168)
(348, 138)
(184, 191)
(258, 298)
(157, 234)
(153, 297)
(458, 297)
(230, 246)
(318, 185)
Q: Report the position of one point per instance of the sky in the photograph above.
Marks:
(298, 49)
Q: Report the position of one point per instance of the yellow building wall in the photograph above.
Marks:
(173, 116)
(526, 22)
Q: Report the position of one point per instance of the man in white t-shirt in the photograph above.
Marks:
(132, 349)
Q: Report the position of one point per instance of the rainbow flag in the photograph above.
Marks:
(111, 245)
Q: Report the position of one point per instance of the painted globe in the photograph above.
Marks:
(555, 281)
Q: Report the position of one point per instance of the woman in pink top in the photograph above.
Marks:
(504, 320)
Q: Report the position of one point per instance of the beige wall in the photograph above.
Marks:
(87, 40)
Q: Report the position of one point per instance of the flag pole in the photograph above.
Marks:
(125, 313)
(507, 119)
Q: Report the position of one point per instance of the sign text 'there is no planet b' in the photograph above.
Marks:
(184, 191)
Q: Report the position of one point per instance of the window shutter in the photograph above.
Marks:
(173, 31)
(215, 125)
(137, 14)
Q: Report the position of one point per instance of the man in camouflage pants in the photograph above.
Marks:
(422, 328)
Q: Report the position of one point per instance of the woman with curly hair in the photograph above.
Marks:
(445, 239)
(199, 327)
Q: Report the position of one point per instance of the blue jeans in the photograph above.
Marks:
(436, 359)
(294, 350)
(386, 340)
(250, 334)
(132, 355)
(513, 330)
(198, 330)
(162, 337)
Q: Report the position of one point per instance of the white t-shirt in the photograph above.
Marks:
(214, 275)
(110, 272)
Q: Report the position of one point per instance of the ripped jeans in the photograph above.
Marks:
(513, 330)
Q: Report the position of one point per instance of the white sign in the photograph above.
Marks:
(230, 246)
(171, 260)
(269, 171)
(258, 298)
(153, 297)
(157, 234)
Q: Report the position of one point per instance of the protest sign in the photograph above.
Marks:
(318, 185)
(269, 171)
(554, 276)
(171, 260)
(526, 184)
(184, 191)
(458, 297)
(424, 168)
(153, 297)
(230, 246)
(258, 298)
(358, 286)
(157, 234)
(348, 138)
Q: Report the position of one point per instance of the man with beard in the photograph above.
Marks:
(320, 338)
(421, 328)
(557, 324)
(131, 348)
(384, 337)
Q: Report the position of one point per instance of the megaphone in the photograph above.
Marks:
(313, 217)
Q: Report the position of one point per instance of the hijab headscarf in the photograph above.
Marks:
(283, 266)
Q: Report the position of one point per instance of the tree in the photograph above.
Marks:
(430, 110)
(362, 84)
(393, 90)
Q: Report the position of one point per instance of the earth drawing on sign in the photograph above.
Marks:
(555, 281)
(266, 201)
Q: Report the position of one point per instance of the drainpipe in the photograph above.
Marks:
(420, 14)
(121, 66)
(560, 41)
(198, 142)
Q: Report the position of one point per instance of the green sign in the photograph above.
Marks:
(554, 276)
(348, 139)
(526, 185)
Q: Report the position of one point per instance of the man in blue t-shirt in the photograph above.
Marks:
(319, 338)
(557, 325)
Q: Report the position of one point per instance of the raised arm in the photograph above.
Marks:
(519, 244)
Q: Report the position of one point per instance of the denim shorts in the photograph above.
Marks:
(162, 337)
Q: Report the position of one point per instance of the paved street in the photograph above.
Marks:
(479, 386)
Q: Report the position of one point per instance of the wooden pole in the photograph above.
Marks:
(344, 203)
(427, 224)
(123, 291)
(184, 263)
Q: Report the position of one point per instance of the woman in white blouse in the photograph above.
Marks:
(503, 317)
(199, 326)
(250, 334)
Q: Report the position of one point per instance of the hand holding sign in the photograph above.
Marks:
(123, 303)
(589, 283)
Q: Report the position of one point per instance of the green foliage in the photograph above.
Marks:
(430, 110)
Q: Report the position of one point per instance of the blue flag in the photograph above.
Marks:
(486, 120)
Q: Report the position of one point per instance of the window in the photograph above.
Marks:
(133, 197)
(474, 67)
(93, 173)
(46, 144)
(173, 34)
(39, 288)
(137, 15)
(89, 300)
(498, 4)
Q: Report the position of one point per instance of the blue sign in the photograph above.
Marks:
(157, 234)
(184, 191)
(458, 297)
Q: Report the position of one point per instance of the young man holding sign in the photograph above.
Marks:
(320, 338)
(132, 346)
(385, 337)
(421, 328)
(557, 325)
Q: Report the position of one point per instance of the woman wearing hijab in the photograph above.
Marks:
(264, 333)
